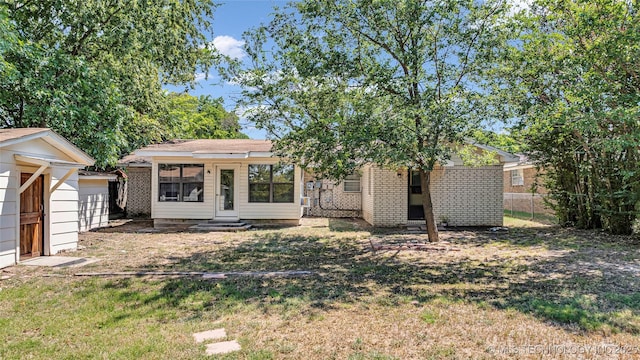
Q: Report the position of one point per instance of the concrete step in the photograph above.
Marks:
(224, 223)
(210, 227)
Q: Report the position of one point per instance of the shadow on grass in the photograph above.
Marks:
(558, 289)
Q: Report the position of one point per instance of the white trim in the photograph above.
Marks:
(97, 177)
(56, 141)
(230, 215)
(508, 167)
(197, 155)
(46, 161)
(62, 180)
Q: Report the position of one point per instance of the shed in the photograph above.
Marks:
(93, 209)
(39, 193)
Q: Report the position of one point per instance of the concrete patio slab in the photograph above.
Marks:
(223, 347)
(210, 335)
(59, 261)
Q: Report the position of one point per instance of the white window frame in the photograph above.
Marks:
(517, 177)
(352, 180)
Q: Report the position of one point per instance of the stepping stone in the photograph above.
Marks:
(222, 347)
(210, 335)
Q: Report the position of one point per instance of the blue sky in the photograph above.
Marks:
(231, 19)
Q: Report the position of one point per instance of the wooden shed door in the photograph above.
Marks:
(31, 217)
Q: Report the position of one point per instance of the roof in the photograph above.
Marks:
(207, 148)
(132, 160)
(14, 136)
(522, 163)
(96, 175)
(504, 156)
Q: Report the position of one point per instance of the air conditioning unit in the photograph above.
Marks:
(305, 201)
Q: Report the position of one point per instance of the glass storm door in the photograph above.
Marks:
(227, 192)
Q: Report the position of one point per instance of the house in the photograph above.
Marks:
(39, 193)
(222, 180)
(229, 180)
(523, 191)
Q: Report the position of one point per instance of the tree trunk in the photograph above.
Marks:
(427, 205)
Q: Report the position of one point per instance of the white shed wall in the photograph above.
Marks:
(93, 210)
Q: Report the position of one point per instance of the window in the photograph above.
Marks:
(517, 178)
(352, 183)
(181, 182)
(271, 183)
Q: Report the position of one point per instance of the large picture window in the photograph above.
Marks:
(271, 183)
(181, 182)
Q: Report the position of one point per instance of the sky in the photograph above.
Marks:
(231, 19)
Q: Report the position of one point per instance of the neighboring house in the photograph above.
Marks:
(523, 190)
(93, 209)
(39, 193)
(138, 170)
(228, 180)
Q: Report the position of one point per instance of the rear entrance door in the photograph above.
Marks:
(32, 218)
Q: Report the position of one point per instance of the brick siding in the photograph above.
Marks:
(139, 192)
(466, 196)
(331, 200)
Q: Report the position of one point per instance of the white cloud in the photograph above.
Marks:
(229, 46)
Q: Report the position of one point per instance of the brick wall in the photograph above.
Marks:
(390, 193)
(331, 200)
(139, 191)
(529, 178)
(466, 196)
(367, 193)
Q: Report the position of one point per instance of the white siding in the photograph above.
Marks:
(61, 206)
(267, 211)
(94, 204)
(183, 210)
(63, 228)
(8, 208)
(205, 210)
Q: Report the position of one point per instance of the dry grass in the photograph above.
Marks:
(499, 296)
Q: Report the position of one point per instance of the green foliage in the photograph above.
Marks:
(201, 118)
(578, 82)
(93, 70)
(394, 83)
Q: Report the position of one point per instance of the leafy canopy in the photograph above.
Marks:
(93, 70)
(576, 78)
(397, 83)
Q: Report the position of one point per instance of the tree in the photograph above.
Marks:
(93, 70)
(201, 118)
(576, 77)
(395, 83)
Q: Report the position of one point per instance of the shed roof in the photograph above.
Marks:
(14, 136)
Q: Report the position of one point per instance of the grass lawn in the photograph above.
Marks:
(535, 291)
